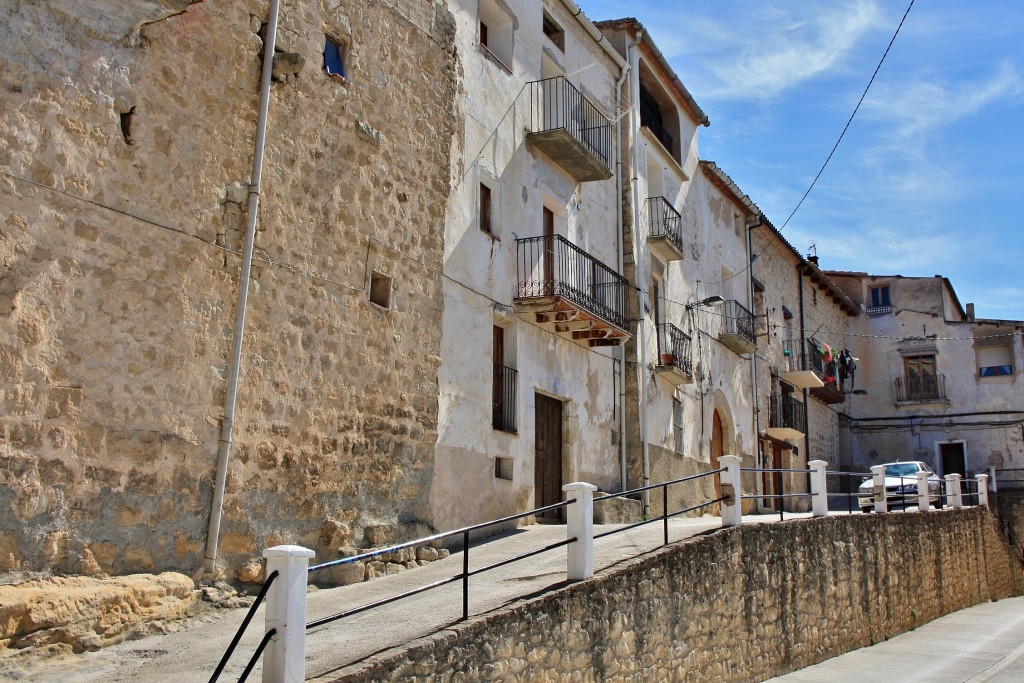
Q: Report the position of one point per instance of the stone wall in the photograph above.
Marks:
(742, 604)
(128, 143)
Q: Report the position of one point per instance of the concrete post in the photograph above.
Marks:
(732, 506)
(923, 502)
(953, 496)
(878, 481)
(285, 658)
(819, 488)
(992, 478)
(579, 518)
(983, 489)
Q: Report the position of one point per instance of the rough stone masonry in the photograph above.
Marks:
(128, 134)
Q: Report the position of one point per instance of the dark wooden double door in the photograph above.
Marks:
(548, 456)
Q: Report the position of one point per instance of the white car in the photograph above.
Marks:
(901, 486)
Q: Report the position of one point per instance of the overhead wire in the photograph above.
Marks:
(821, 170)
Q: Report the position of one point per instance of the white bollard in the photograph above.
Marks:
(819, 488)
(953, 496)
(878, 481)
(923, 499)
(732, 506)
(983, 490)
(285, 658)
(579, 524)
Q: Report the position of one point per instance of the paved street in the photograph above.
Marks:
(980, 644)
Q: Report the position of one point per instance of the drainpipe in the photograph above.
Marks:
(624, 483)
(758, 456)
(224, 450)
(803, 349)
(641, 279)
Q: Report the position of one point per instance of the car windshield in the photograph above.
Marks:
(901, 469)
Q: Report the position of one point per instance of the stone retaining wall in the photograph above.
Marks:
(742, 604)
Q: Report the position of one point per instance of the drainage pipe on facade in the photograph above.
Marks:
(803, 349)
(224, 448)
(624, 480)
(641, 280)
(758, 456)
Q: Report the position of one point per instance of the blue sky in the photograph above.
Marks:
(928, 178)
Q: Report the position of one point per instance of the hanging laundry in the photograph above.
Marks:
(847, 368)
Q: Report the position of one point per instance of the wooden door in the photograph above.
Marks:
(547, 452)
(549, 252)
(717, 451)
(953, 461)
(771, 482)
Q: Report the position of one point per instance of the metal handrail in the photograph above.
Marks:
(665, 515)
(556, 104)
(551, 265)
(463, 576)
(241, 631)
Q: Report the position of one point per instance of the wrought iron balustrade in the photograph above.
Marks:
(737, 320)
(804, 356)
(651, 120)
(506, 382)
(921, 388)
(558, 105)
(785, 412)
(665, 221)
(674, 348)
(554, 267)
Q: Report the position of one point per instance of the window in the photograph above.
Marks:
(554, 32)
(995, 361)
(496, 33)
(485, 210)
(880, 297)
(334, 58)
(921, 382)
(677, 423)
(380, 289)
(503, 388)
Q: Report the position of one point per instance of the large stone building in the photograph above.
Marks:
(934, 382)
(129, 133)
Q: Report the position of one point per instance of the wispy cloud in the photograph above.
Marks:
(918, 108)
(781, 51)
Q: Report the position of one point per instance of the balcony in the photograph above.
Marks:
(787, 418)
(920, 388)
(665, 235)
(802, 364)
(674, 361)
(569, 129)
(737, 330)
(829, 392)
(652, 121)
(569, 292)
(503, 403)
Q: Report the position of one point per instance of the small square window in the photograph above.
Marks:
(486, 222)
(334, 58)
(380, 289)
(554, 32)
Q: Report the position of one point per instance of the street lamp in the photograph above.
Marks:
(713, 300)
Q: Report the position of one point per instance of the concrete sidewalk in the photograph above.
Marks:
(978, 644)
(192, 654)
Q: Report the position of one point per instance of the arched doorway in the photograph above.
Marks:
(717, 451)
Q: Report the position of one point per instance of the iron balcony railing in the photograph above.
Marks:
(785, 412)
(921, 388)
(736, 319)
(557, 104)
(651, 120)
(503, 415)
(804, 356)
(552, 266)
(674, 348)
(665, 221)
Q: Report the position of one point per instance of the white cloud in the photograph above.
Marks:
(917, 108)
(779, 51)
